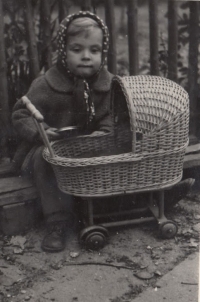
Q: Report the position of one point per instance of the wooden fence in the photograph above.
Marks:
(44, 58)
(132, 8)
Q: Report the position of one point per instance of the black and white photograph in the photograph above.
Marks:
(99, 150)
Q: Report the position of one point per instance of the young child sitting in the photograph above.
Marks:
(74, 92)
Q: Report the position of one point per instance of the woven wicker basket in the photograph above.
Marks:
(146, 152)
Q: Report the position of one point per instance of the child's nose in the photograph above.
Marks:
(86, 55)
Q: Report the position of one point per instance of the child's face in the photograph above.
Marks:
(84, 53)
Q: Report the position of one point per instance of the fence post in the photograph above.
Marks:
(32, 47)
(172, 40)
(193, 63)
(133, 36)
(45, 34)
(153, 36)
(110, 21)
(62, 10)
(86, 5)
(4, 108)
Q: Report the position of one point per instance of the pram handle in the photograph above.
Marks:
(38, 119)
(31, 108)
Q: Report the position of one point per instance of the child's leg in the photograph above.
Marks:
(57, 206)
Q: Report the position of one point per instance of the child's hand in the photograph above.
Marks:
(52, 134)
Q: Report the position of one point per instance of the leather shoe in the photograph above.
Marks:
(54, 240)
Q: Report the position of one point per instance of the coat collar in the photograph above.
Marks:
(63, 83)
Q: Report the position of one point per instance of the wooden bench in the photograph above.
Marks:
(192, 157)
(19, 209)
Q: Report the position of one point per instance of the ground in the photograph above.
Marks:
(134, 259)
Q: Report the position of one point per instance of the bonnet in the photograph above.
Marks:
(81, 86)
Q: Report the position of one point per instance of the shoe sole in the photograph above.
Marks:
(47, 249)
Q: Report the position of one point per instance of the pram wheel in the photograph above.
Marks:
(94, 237)
(168, 229)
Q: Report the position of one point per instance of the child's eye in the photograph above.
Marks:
(76, 49)
(95, 50)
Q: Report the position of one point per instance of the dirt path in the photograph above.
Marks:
(28, 274)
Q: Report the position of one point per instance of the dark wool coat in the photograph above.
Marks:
(53, 95)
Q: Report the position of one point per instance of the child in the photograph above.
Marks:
(75, 92)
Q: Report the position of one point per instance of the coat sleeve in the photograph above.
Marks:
(102, 101)
(22, 121)
(104, 118)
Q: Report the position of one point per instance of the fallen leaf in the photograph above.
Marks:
(18, 250)
(193, 243)
(74, 254)
(186, 231)
(56, 266)
(197, 217)
(155, 256)
(6, 280)
(157, 273)
(18, 241)
(143, 266)
(196, 227)
(144, 275)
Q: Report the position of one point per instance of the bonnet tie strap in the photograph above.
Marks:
(83, 104)
(89, 102)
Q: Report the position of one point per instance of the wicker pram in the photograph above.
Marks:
(144, 153)
(151, 116)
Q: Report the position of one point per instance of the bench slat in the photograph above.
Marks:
(14, 183)
(191, 160)
(18, 196)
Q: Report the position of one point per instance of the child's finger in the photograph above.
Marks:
(52, 134)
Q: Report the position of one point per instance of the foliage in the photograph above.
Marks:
(15, 47)
(183, 45)
(15, 34)
(183, 38)
(163, 56)
(16, 50)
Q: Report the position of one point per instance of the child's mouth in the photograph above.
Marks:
(84, 66)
